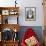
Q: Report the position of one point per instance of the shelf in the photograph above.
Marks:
(10, 19)
(6, 12)
(11, 41)
(10, 26)
(2, 8)
(9, 10)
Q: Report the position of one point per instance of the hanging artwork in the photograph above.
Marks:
(30, 13)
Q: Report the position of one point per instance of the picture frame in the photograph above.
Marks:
(5, 12)
(30, 13)
(0, 36)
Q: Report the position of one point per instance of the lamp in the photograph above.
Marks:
(15, 3)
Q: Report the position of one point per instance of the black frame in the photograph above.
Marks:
(27, 18)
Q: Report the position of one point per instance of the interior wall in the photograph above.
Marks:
(26, 3)
(39, 15)
(39, 12)
(37, 29)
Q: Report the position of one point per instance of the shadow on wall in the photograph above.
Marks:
(37, 29)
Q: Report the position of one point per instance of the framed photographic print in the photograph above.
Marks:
(5, 12)
(30, 13)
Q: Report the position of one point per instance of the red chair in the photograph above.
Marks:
(29, 33)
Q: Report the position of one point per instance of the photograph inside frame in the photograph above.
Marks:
(30, 13)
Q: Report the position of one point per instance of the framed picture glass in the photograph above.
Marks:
(30, 13)
(5, 12)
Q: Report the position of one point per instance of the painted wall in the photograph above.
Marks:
(37, 29)
(26, 3)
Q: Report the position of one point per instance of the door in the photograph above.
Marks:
(44, 6)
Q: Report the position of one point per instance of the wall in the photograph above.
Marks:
(37, 29)
(26, 3)
(39, 15)
(39, 12)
